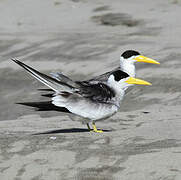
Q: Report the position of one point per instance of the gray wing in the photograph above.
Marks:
(103, 77)
(98, 92)
(59, 76)
(100, 78)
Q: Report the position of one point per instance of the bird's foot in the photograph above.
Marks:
(95, 129)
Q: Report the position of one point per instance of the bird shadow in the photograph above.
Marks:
(71, 130)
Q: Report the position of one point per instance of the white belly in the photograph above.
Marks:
(93, 111)
(86, 108)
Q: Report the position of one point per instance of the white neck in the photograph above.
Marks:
(119, 90)
(128, 66)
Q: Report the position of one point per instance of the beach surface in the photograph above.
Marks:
(82, 39)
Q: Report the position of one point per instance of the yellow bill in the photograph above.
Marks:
(132, 80)
(141, 58)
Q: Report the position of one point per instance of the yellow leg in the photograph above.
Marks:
(89, 127)
(95, 128)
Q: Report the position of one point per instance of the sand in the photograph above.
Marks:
(82, 39)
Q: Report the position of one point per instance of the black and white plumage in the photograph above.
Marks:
(127, 60)
(129, 57)
(92, 100)
(98, 92)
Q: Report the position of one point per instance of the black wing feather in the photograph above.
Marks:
(98, 92)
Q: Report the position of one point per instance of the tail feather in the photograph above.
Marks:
(52, 83)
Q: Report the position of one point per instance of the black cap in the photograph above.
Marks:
(127, 54)
(118, 75)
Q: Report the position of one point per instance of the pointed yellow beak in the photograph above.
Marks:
(141, 58)
(132, 80)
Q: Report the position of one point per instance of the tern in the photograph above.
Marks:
(127, 60)
(92, 101)
(129, 57)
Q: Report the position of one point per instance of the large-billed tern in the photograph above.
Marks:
(127, 64)
(90, 100)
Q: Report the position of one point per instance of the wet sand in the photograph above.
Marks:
(82, 39)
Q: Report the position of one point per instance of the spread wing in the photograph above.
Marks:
(98, 92)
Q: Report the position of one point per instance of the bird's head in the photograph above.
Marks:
(131, 56)
(121, 80)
